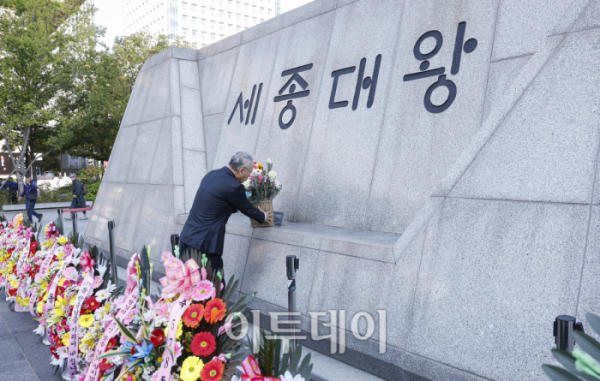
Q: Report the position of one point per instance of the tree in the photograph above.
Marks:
(41, 45)
(92, 113)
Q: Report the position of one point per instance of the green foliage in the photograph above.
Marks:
(272, 364)
(42, 44)
(76, 239)
(93, 189)
(90, 175)
(582, 363)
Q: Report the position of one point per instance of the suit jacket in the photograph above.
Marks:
(219, 195)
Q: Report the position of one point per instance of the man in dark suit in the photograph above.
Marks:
(221, 193)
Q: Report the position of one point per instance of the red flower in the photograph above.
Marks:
(12, 292)
(215, 311)
(157, 337)
(53, 351)
(91, 304)
(204, 344)
(104, 366)
(213, 371)
(193, 315)
(33, 245)
(111, 343)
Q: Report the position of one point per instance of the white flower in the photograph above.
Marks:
(288, 377)
(110, 287)
(102, 295)
(269, 161)
(272, 175)
(101, 269)
(246, 184)
(40, 330)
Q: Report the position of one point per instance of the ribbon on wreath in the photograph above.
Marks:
(52, 287)
(181, 304)
(111, 331)
(33, 297)
(24, 256)
(45, 264)
(252, 371)
(86, 288)
(181, 277)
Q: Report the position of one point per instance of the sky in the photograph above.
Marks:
(110, 15)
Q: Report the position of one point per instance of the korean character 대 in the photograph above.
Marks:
(459, 46)
(247, 105)
(362, 83)
(293, 94)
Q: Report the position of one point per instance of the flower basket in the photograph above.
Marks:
(266, 206)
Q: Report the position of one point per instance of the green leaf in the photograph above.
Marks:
(568, 361)
(304, 365)
(558, 374)
(296, 359)
(276, 358)
(116, 352)
(126, 332)
(587, 344)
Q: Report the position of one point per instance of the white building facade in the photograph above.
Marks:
(200, 22)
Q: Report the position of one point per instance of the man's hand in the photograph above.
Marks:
(269, 215)
(74, 196)
(20, 198)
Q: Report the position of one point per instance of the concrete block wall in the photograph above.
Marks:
(473, 228)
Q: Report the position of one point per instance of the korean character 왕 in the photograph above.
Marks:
(293, 94)
(459, 46)
(362, 83)
(247, 105)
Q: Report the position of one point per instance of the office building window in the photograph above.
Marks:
(212, 36)
(202, 10)
(195, 45)
(194, 20)
(194, 32)
(212, 24)
(203, 22)
(185, 31)
(221, 13)
(247, 18)
(194, 7)
(204, 35)
(229, 14)
(184, 5)
(253, 20)
(212, 11)
(204, 45)
(221, 26)
(230, 28)
(238, 16)
(184, 19)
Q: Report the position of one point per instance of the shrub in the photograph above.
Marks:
(92, 191)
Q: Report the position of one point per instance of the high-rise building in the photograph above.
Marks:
(200, 22)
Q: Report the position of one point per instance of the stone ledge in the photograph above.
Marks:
(49, 205)
(356, 243)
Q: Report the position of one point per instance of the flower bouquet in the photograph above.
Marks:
(272, 362)
(185, 335)
(261, 188)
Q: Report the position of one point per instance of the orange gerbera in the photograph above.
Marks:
(212, 371)
(260, 166)
(193, 315)
(215, 311)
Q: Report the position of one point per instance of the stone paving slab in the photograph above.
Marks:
(24, 357)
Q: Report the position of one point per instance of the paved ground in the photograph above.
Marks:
(23, 357)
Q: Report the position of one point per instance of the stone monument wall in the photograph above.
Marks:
(439, 162)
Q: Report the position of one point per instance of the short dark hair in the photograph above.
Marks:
(28, 175)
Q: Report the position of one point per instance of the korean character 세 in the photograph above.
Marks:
(247, 105)
(292, 93)
(459, 46)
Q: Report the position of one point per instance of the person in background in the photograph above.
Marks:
(78, 196)
(30, 192)
(12, 188)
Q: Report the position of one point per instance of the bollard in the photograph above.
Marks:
(174, 242)
(60, 216)
(74, 224)
(564, 325)
(113, 257)
(292, 264)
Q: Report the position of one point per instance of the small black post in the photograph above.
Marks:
(292, 264)
(60, 216)
(564, 325)
(75, 231)
(174, 242)
(113, 257)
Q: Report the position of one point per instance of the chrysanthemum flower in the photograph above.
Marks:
(215, 311)
(203, 344)
(193, 315)
(213, 371)
(191, 368)
(91, 303)
(204, 290)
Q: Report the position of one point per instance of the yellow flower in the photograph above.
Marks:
(65, 339)
(62, 281)
(63, 240)
(72, 300)
(191, 368)
(43, 285)
(14, 283)
(40, 308)
(22, 301)
(86, 320)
